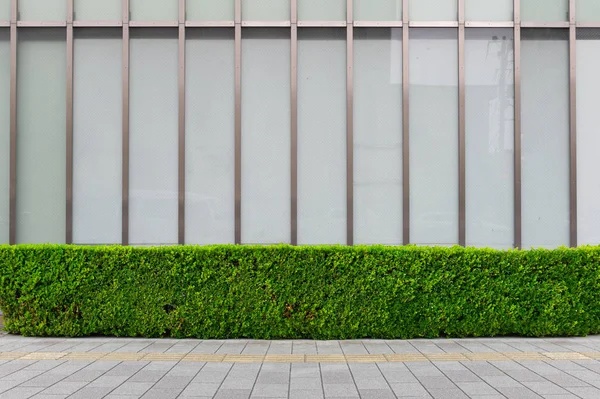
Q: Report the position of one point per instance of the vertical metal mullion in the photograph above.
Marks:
(461, 126)
(405, 128)
(69, 125)
(12, 235)
(517, 133)
(181, 83)
(125, 149)
(294, 124)
(349, 125)
(238, 122)
(573, 122)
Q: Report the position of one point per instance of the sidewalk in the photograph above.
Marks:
(93, 368)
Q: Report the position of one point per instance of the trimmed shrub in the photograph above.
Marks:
(274, 292)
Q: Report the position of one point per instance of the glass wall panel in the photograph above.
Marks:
(154, 10)
(5, 10)
(322, 136)
(94, 10)
(319, 10)
(588, 11)
(588, 136)
(42, 10)
(4, 133)
(433, 10)
(266, 209)
(153, 137)
(545, 132)
(544, 10)
(489, 100)
(97, 136)
(434, 136)
(377, 10)
(489, 10)
(266, 10)
(209, 136)
(41, 137)
(210, 10)
(378, 136)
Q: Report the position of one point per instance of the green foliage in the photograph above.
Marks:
(329, 292)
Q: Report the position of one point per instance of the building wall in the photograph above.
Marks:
(430, 122)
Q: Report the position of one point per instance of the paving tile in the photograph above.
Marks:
(301, 370)
(132, 388)
(517, 393)
(270, 390)
(586, 392)
(108, 381)
(307, 394)
(238, 383)
(437, 382)
(20, 393)
(233, 394)
(476, 388)
(305, 384)
(271, 377)
(545, 388)
(200, 389)
(371, 383)
(337, 377)
(376, 394)
(162, 393)
(91, 393)
(212, 377)
(338, 390)
(44, 396)
(409, 389)
(452, 393)
(173, 382)
(64, 388)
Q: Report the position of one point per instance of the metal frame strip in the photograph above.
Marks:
(349, 125)
(573, 123)
(98, 24)
(198, 24)
(238, 122)
(267, 24)
(181, 127)
(12, 235)
(461, 126)
(69, 125)
(294, 125)
(322, 24)
(378, 24)
(125, 149)
(405, 127)
(517, 132)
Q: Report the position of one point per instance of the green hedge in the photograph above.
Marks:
(298, 292)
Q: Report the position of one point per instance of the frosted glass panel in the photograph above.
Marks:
(588, 11)
(322, 136)
(319, 10)
(210, 10)
(154, 10)
(41, 152)
(489, 10)
(4, 133)
(433, 10)
(266, 122)
(266, 10)
(94, 10)
(5, 10)
(545, 132)
(489, 99)
(544, 10)
(588, 136)
(42, 10)
(97, 131)
(434, 136)
(153, 143)
(378, 136)
(209, 136)
(377, 10)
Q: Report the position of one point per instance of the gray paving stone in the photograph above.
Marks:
(154, 393)
(20, 393)
(233, 394)
(545, 388)
(376, 394)
(271, 377)
(371, 383)
(411, 389)
(476, 388)
(452, 393)
(212, 377)
(302, 370)
(307, 394)
(502, 381)
(238, 383)
(64, 388)
(44, 396)
(567, 396)
(337, 377)
(517, 393)
(270, 390)
(91, 393)
(338, 390)
(436, 382)
(108, 381)
(586, 392)
(305, 384)
(200, 389)
(462, 376)
(173, 382)
(148, 375)
(132, 388)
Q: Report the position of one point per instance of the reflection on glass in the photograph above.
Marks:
(588, 136)
(41, 135)
(433, 10)
(322, 136)
(489, 10)
(154, 10)
(97, 136)
(378, 136)
(319, 10)
(434, 136)
(209, 136)
(94, 10)
(545, 132)
(544, 10)
(5, 11)
(489, 100)
(377, 10)
(266, 10)
(153, 121)
(42, 10)
(266, 120)
(4, 133)
(209, 10)
(588, 11)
